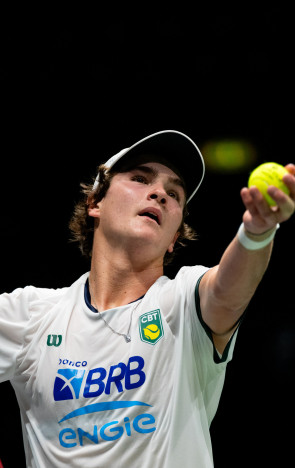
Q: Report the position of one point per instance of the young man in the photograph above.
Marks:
(125, 368)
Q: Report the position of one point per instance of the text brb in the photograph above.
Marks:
(98, 381)
(69, 383)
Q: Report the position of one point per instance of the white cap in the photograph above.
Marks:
(174, 147)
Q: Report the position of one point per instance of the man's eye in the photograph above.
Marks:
(139, 178)
(173, 194)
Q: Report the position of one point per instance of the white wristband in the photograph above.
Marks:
(251, 244)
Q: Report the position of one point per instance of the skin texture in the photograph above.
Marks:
(129, 247)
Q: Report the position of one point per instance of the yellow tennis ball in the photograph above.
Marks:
(151, 332)
(266, 174)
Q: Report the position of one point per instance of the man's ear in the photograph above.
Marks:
(93, 208)
(171, 246)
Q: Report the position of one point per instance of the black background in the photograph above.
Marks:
(79, 84)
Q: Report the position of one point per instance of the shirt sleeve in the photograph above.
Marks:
(197, 359)
(183, 295)
(14, 316)
(227, 353)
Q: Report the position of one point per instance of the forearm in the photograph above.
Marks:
(230, 285)
(226, 289)
(239, 273)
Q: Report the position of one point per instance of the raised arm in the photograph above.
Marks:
(226, 289)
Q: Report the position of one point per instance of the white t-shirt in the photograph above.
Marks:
(89, 398)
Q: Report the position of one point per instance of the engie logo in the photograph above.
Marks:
(143, 423)
(150, 327)
(77, 383)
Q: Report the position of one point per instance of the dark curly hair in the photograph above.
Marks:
(82, 225)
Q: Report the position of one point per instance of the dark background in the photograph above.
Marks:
(77, 86)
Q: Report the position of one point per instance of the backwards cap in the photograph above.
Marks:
(176, 147)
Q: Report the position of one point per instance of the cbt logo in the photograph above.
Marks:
(73, 383)
(150, 327)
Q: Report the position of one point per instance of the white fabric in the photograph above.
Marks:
(162, 396)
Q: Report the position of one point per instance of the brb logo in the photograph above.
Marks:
(73, 383)
(76, 383)
(67, 384)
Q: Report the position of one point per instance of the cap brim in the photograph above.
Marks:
(176, 148)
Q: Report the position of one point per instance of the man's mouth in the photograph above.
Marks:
(152, 215)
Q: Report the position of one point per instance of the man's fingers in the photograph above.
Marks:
(289, 181)
(258, 216)
(291, 168)
(261, 204)
(285, 203)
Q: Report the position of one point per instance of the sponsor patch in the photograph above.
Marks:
(151, 327)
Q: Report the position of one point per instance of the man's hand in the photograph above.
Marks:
(259, 217)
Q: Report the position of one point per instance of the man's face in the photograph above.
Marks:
(143, 208)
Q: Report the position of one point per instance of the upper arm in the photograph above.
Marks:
(13, 319)
(216, 314)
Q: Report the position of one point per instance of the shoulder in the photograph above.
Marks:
(188, 277)
(30, 299)
(182, 287)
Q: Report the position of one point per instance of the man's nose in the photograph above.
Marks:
(159, 195)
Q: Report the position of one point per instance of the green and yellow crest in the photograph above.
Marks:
(150, 327)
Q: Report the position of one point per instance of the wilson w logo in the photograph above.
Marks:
(54, 340)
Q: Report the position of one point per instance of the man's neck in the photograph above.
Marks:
(116, 279)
